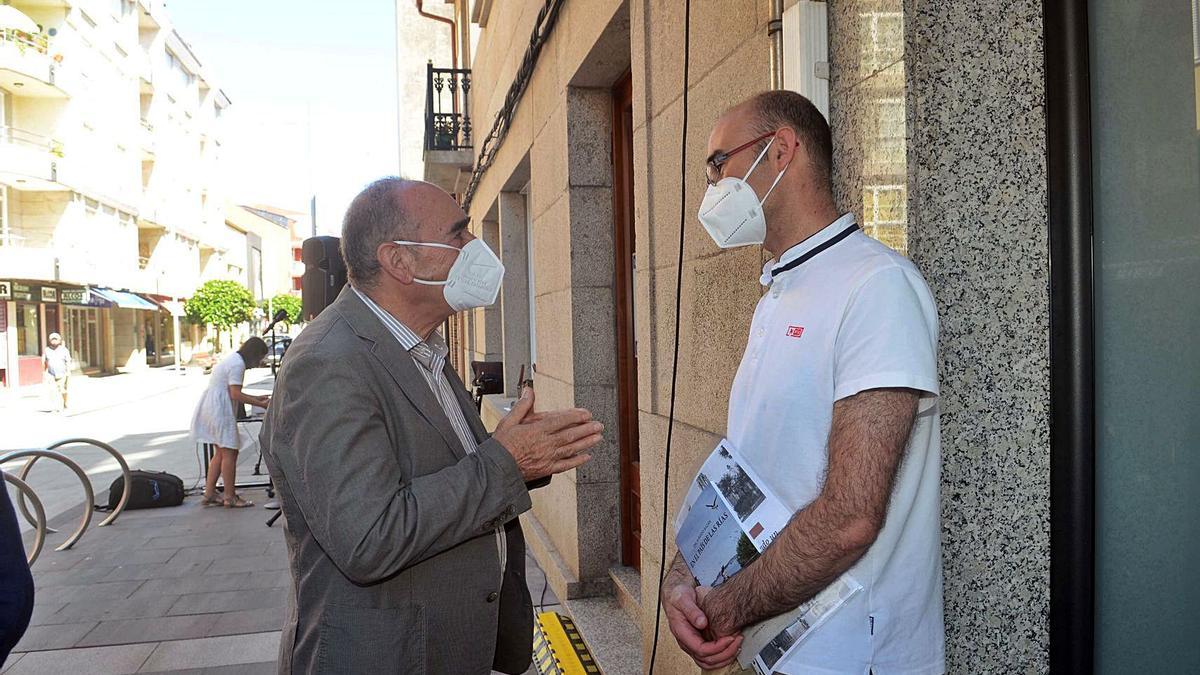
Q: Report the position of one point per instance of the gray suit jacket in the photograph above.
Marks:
(390, 524)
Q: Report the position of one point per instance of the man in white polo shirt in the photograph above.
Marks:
(835, 405)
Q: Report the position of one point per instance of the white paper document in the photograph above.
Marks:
(727, 520)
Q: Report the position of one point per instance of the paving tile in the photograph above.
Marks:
(55, 636)
(86, 574)
(255, 564)
(43, 611)
(155, 629)
(157, 571)
(248, 621)
(125, 556)
(109, 590)
(111, 610)
(210, 537)
(115, 660)
(235, 550)
(214, 651)
(12, 661)
(215, 583)
(265, 668)
(54, 561)
(229, 601)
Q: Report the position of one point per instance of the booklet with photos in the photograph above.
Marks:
(727, 520)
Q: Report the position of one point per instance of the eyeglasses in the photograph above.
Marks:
(714, 164)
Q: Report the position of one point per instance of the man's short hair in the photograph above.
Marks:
(779, 108)
(377, 215)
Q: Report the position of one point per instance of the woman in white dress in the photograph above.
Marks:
(215, 420)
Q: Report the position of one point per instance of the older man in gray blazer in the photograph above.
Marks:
(406, 555)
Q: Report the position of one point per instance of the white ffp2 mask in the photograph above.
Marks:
(731, 212)
(474, 279)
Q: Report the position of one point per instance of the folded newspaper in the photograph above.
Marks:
(727, 520)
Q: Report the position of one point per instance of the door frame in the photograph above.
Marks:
(1072, 337)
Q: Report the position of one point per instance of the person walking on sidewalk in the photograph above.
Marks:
(56, 361)
(215, 420)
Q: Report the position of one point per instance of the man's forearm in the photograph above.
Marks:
(815, 548)
(824, 539)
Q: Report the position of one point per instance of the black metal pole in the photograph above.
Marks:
(429, 105)
(1072, 374)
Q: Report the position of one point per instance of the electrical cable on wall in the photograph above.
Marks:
(542, 26)
(662, 556)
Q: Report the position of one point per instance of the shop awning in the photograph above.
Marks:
(125, 299)
(174, 307)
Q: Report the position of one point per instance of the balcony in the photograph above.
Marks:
(27, 67)
(147, 141)
(449, 150)
(29, 161)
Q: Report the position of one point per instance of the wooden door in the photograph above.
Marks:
(627, 380)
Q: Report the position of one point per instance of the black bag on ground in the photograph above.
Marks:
(149, 490)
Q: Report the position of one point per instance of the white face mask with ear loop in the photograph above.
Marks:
(732, 213)
(474, 279)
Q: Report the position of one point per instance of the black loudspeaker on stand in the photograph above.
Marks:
(324, 277)
(324, 274)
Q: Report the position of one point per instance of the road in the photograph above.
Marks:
(145, 415)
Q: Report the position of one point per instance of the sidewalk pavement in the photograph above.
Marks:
(175, 590)
(145, 415)
(181, 590)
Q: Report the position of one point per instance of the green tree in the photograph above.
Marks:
(746, 552)
(221, 303)
(290, 303)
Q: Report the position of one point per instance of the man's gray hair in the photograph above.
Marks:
(376, 216)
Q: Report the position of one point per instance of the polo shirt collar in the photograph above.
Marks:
(823, 235)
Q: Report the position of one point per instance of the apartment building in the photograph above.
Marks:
(268, 253)
(111, 199)
(1037, 161)
(298, 226)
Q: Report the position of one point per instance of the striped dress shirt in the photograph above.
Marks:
(430, 357)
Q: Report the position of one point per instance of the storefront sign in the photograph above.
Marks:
(74, 296)
(21, 292)
(5, 290)
(49, 294)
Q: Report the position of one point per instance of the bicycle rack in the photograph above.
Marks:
(88, 506)
(39, 539)
(83, 441)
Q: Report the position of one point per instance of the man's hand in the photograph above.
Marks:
(711, 602)
(688, 622)
(547, 443)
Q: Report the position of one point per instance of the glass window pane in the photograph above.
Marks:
(1146, 187)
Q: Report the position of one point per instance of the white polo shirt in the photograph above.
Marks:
(854, 316)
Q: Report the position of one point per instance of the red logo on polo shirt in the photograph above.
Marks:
(795, 331)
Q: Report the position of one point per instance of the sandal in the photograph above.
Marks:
(215, 500)
(237, 503)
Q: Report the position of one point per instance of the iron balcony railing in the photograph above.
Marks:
(447, 114)
(14, 136)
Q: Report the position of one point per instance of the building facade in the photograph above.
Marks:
(111, 199)
(1037, 161)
